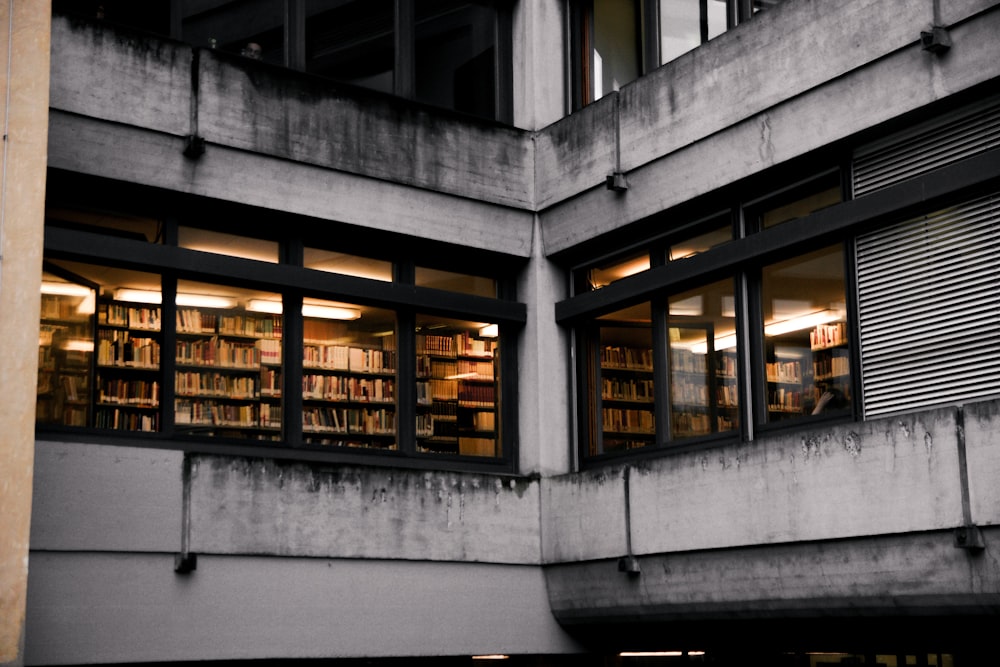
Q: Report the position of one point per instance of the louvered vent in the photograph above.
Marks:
(929, 306)
(928, 146)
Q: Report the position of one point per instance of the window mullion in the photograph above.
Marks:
(661, 371)
(406, 378)
(291, 389)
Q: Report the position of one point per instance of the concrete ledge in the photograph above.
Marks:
(891, 575)
(257, 506)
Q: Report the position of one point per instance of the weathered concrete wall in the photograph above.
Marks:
(913, 574)
(539, 63)
(854, 518)
(721, 105)
(123, 105)
(893, 475)
(113, 607)
(241, 506)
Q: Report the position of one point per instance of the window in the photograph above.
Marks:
(449, 53)
(724, 339)
(337, 359)
(806, 354)
(613, 42)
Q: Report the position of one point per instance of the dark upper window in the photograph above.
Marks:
(449, 53)
(614, 42)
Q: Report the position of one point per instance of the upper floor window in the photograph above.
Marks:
(614, 42)
(453, 54)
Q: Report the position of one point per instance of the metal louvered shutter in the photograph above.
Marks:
(929, 309)
(952, 137)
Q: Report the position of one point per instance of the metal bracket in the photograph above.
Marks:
(629, 565)
(936, 40)
(185, 563)
(969, 537)
(617, 182)
(194, 146)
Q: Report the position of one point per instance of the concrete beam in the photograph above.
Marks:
(24, 89)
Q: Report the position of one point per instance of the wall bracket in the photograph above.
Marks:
(936, 40)
(969, 537)
(185, 563)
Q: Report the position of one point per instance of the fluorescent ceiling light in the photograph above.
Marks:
(494, 656)
(308, 310)
(689, 307)
(88, 306)
(723, 342)
(78, 345)
(205, 301)
(806, 321)
(65, 289)
(138, 295)
(651, 654)
(490, 331)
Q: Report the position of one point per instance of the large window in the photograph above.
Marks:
(201, 344)
(727, 336)
(450, 53)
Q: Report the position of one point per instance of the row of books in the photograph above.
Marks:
(685, 361)
(627, 358)
(342, 388)
(361, 421)
(125, 420)
(121, 348)
(784, 371)
(828, 335)
(834, 366)
(212, 413)
(631, 389)
(136, 393)
(193, 383)
(146, 318)
(256, 326)
(689, 393)
(784, 400)
(218, 352)
(618, 420)
(476, 395)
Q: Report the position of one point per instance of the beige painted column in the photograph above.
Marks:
(24, 104)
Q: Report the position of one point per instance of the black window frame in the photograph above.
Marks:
(742, 259)
(293, 282)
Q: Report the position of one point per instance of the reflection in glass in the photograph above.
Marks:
(801, 206)
(458, 387)
(685, 24)
(615, 53)
(704, 395)
(352, 41)
(608, 272)
(348, 265)
(252, 28)
(456, 282)
(702, 242)
(65, 351)
(233, 245)
(624, 377)
(348, 375)
(806, 345)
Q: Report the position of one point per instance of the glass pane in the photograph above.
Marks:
(625, 376)
(704, 395)
(136, 228)
(602, 275)
(348, 375)
(126, 338)
(352, 41)
(65, 351)
(458, 387)
(717, 21)
(348, 265)
(456, 282)
(806, 346)
(680, 27)
(702, 242)
(616, 45)
(228, 377)
(220, 243)
(455, 64)
(800, 204)
(253, 28)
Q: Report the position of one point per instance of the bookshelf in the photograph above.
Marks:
(627, 418)
(809, 376)
(228, 373)
(127, 390)
(65, 354)
(457, 393)
(348, 387)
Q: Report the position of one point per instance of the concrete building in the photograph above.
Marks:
(620, 327)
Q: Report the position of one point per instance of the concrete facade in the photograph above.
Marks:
(309, 559)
